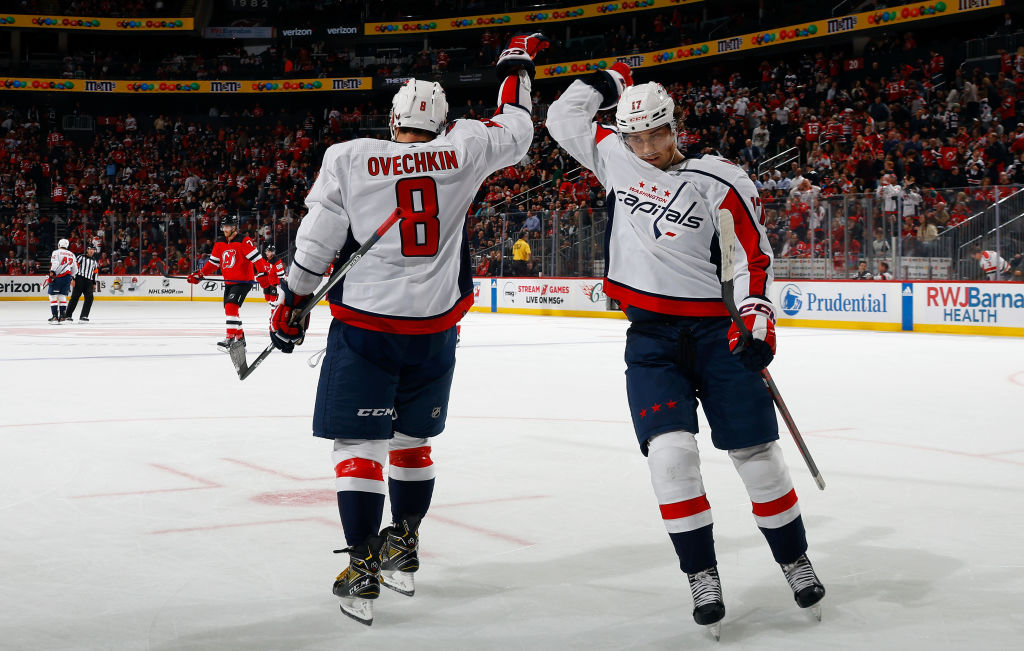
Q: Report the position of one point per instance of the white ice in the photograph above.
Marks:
(150, 500)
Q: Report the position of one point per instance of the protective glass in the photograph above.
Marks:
(651, 141)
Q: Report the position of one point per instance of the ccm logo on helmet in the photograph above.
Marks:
(376, 412)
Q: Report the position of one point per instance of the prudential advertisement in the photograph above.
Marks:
(868, 305)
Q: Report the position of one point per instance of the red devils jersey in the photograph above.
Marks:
(236, 260)
(811, 131)
(277, 269)
(948, 157)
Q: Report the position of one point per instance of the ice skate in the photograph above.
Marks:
(225, 345)
(399, 557)
(84, 319)
(359, 584)
(70, 319)
(807, 588)
(53, 319)
(708, 607)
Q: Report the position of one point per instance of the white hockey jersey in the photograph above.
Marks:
(663, 253)
(417, 279)
(889, 194)
(991, 262)
(63, 263)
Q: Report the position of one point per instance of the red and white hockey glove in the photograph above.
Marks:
(194, 277)
(756, 351)
(270, 293)
(611, 82)
(520, 54)
(284, 334)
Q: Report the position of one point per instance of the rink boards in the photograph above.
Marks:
(915, 306)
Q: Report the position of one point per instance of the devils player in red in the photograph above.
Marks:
(240, 263)
(277, 269)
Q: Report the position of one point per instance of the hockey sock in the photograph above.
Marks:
(775, 506)
(359, 472)
(62, 304)
(53, 304)
(231, 320)
(410, 477)
(675, 475)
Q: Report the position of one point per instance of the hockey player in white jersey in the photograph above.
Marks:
(663, 268)
(386, 377)
(63, 268)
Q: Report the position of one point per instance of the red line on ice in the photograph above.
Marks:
(276, 473)
(206, 483)
(242, 524)
(487, 532)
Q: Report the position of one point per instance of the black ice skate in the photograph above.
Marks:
(225, 345)
(399, 557)
(708, 607)
(359, 584)
(53, 319)
(807, 588)
(84, 319)
(70, 318)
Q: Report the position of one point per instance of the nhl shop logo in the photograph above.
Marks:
(792, 300)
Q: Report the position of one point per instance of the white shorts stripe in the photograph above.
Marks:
(411, 474)
(778, 520)
(689, 523)
(358, 484)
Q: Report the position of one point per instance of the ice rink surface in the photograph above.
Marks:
(150, 500)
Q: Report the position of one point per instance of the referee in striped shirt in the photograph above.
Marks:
(85, 282)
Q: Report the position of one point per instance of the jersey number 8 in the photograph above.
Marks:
(419, 226)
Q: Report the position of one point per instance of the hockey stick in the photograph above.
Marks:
(728, 242)
(297, 317)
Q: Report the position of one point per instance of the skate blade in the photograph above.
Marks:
(360, 610)
(715, 630)
(401, 582)
(816, 611)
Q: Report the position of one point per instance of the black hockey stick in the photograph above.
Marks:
(727, 235)
(297, 317)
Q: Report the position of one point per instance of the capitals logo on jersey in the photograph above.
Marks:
(668, 221)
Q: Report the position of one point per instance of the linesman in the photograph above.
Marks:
(85, 283)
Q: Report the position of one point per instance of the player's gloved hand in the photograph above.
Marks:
(264, 279)
(611, 82)
(757, 351)
(270, 293)
(53, 276)
(194, 277)
(520, 53)
(284, 334)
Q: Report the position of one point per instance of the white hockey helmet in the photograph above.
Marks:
(643, 107)
(63, 243)
(419, 105)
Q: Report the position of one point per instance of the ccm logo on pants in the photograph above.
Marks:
(376, 412)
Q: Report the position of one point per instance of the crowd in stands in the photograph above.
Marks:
(923, 140)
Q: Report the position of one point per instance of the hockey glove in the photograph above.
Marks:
(520, 53)
(270, 293)
(610, 83)
(264, 279)
(284, 334)
(53, 276)
(194, 277)
(756, 351)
